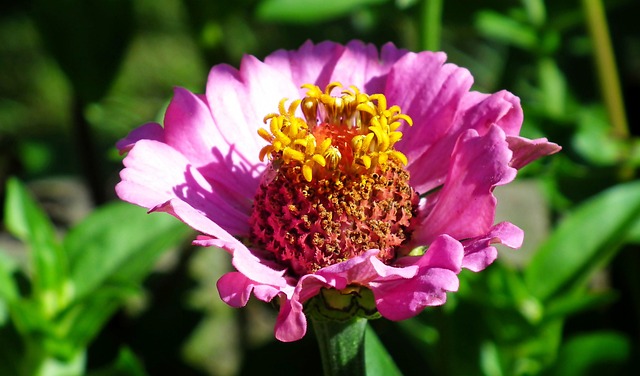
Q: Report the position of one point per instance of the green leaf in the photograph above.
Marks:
(553, 87)
(592, 354)
(127, 364)
(505, 29)
(378, 362)
(295, 11)
(119, 243)
(25, 220)
(593, 139)
(584, 241)
(8, 288)
(77, 325)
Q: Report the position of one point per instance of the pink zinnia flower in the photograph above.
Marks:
(308, 170)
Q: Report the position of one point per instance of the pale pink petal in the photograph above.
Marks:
(189, 127)
(478, 251)
(526, 151)
(149, 131)
(239, 101)
(361, 66)
(465, 206)
(310, 64)
(199, 221)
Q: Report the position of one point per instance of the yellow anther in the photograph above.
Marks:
(352, 115)
(288, 154)
(264, 151)
(366, 161)
(324, 145)
(399, 157)
(404, 117)
(319, 159)
(382, 158)
(265, 135)
(307, 172)
(394, 137)
(332, 86)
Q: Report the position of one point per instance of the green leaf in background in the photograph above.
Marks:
(503, 28)
(592, 354)
(593, 139)
(8, 288)
(77, 325)
(295, 11)
(127, 364)
(25, 220)
(378, 362)
(119, 243)
(584, 241)
(553, 87)
(87, 38)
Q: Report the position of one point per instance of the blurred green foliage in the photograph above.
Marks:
(75, 76)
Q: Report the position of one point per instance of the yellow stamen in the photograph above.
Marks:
(350, 133)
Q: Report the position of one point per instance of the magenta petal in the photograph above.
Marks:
(429, 91)
(235, 289)
(291, 324)
(149, 131)
(465, 206)
(475, 111)
(526, 151)
(400, 299)
(478, 252)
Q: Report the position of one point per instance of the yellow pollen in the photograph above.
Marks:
(351, 133)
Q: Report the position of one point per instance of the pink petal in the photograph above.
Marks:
(311, 63)
(291, 324)
(148, 131)
(239, 101)
(156, 173)
(429, 91)
(400, 299)
(475, 111)
(478, 251)
(465, 206)
(360, 65)
(526, 151)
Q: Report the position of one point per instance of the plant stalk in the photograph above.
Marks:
(341, 346)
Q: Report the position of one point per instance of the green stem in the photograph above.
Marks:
(341, 346)
(431, 24)
(606, 66)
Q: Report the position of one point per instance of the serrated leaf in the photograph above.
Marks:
(378, 362)
(26, 220)
(295, 11)
(119, 243)
(584, 241)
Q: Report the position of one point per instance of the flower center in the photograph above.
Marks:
(335, 186)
